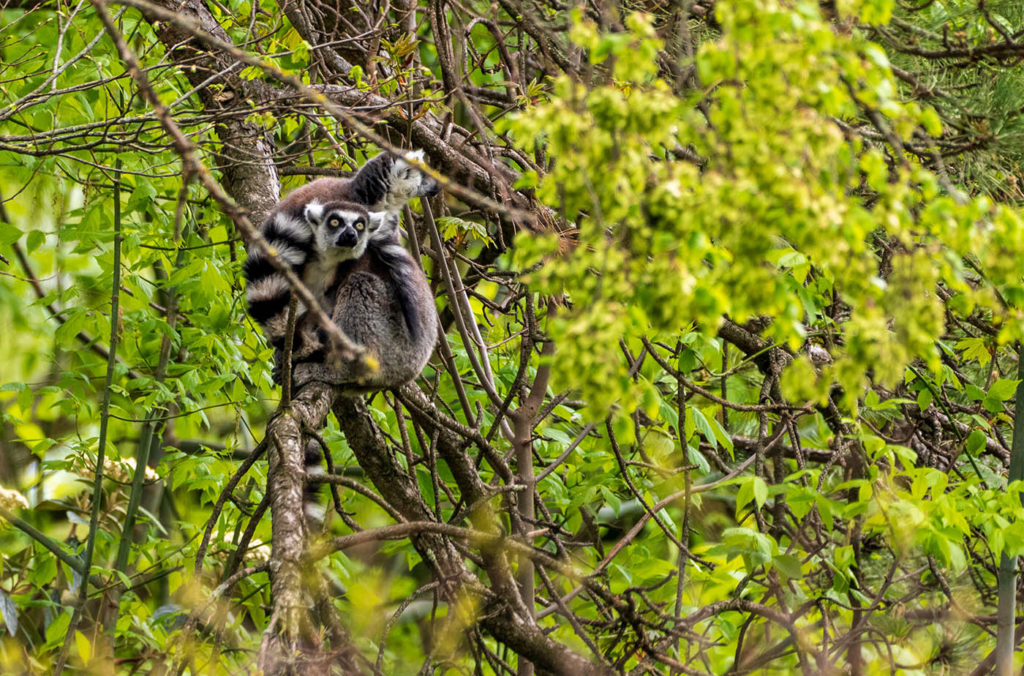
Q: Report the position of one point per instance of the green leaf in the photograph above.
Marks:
(9, 612)
(824, 506)
(975, 348)
(697, 458)
(760, 491)
(931, 122)
(687, 360)
(992, 404)
(702, 425)
(34, 240)
(744, 495)
(689, 427)
(1003, 389)
(924, 398)
(83, 646)
(67, 331)
(9, 234)
(721, 435)
(843, 558)
(250, 73)
(56, 630)
(975, 442)
(752, 488)
(788, 565)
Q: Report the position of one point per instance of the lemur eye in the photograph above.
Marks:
(360, 224)
(334, 222)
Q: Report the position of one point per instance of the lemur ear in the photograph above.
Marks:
(314, 213)
(402, 169)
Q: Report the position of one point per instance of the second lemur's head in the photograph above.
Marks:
(408, 181)
(388, 182)
(342, 229)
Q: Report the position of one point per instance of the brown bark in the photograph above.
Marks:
(291, 644)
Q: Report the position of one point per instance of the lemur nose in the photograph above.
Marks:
(347, 237)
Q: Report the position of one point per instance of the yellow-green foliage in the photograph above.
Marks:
(779, 190)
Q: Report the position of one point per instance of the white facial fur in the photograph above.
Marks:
(317, 218)
(325, 239)
(407, 182)
(314, 212)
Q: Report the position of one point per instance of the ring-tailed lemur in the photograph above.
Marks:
(382, 301)
(369, 284)
(314, 245)
(384, 184)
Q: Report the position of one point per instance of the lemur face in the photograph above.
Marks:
(341, 229)
(408, 182)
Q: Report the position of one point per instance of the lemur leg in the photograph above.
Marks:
(309, 345)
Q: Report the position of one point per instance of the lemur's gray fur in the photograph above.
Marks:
(341, 238)
(382, 301)
(314, 244)
(380, 298)
(295, 227)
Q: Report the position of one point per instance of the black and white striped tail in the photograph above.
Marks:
(267, 291)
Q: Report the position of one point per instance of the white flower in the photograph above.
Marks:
(124, 469)
(12, 500)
